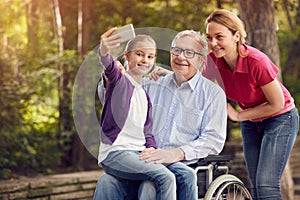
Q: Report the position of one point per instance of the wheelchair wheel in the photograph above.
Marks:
(227, 187)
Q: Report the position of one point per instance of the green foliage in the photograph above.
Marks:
(5, 173)
(36, 149)
(236, 135)
(28, 94)
(29, 116)
(29, 121)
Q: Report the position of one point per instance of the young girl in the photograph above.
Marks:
(126, 122)
(269, 119)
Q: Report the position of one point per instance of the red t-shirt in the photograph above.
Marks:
(244, 84)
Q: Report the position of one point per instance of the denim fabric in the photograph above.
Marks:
(147, 191)
(127, 165)
(267, 146)
(186, 181)
(111, 188)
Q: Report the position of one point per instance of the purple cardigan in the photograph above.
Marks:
(117, 103)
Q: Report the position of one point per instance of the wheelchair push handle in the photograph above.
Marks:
(215, 159)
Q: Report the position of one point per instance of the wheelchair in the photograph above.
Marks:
(214, 181)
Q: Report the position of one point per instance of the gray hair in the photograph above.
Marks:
(196, 35)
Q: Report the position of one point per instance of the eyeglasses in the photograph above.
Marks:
(186, 52)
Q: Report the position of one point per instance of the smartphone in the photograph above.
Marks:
(127, 32)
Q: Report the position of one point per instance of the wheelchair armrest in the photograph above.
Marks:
(215, 159)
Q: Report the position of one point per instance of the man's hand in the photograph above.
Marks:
(157, 72)
(165, 156)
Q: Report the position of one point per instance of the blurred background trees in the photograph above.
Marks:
(43, 44)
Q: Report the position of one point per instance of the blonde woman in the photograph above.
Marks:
(268, 117)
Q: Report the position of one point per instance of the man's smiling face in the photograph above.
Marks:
(187, 67)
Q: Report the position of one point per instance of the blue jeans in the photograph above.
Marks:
(111, 188)
(127, 165)
(186, 182)
(267, 146)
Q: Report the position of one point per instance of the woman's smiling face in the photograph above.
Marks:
(221, 40)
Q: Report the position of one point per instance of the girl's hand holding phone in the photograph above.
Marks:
(109, 41)
(113, 37)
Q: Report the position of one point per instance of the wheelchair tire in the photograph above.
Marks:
(227, 187)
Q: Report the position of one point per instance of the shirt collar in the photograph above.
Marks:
(191, 83)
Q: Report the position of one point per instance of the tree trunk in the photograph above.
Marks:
(58, 25)
(258, 17)
(63, 18)
(84, 17)
(293, 58)
(32, 26)
(60, 48)
(285, 5)
(65, 83)
(79, 158)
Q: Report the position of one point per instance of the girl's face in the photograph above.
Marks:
(141, 59)
(186, 67)
(221, 40)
